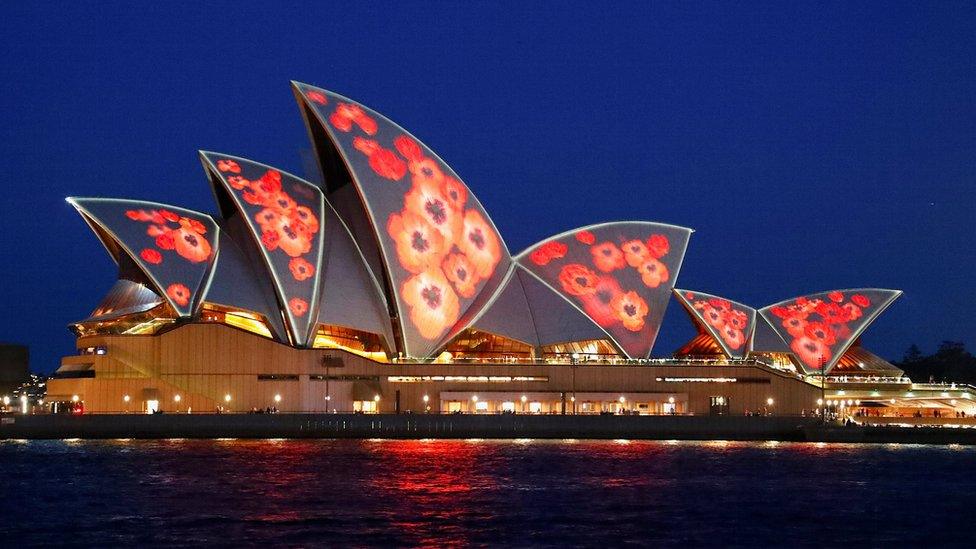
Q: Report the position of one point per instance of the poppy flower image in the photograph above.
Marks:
(607, 257)
(301, 269)
(810, 351)
(418, 244)
(819, 331)
(150, 255)
(635, 252)
(548, 252)
(653, 272)
(631, 310)
(461, 274)
(434, 306)
(586, 237)
(191, 245)
(658, 245)
(795, 325)
(228, 166)
(408, 148)
(598, 305)
(387, 164)
(426, 200)
(270, 239)
(294, 237)
(365, 146)
(455, 192)
(480, 243)
(713, 317)
(297, 306)
(733, 337)
(317, 97)
(305, 215)
(577, 280)
(179, 293)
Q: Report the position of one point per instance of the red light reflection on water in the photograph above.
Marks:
(437, 486)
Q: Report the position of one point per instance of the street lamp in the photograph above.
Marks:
(23, 404)
(277, 398)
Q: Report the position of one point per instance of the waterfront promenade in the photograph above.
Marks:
(460, 426)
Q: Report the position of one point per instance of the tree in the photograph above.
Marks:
(912, 355)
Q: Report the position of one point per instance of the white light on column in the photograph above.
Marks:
(277, 398)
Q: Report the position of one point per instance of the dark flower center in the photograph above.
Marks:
(289, 232)
(462, 274)
(477, 238)
(607, 252)
(432, 295)
(437, 211)
(427, 171)
(418, 242)
(581, 280)
(630, 309)
(190, 239)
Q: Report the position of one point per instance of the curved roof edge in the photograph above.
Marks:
(590, 227)
(93, 220)
(410, 340)
(302, 336)
(888, 297)
(700, 321)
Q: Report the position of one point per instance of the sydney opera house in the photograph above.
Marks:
(385, 287)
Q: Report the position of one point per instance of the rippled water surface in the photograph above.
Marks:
(386, 492)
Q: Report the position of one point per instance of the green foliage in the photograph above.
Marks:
(950, 363)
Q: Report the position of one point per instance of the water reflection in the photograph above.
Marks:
(525, 492)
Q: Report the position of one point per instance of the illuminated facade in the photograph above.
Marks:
(388, 288)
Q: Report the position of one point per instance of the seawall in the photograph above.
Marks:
(410, 426)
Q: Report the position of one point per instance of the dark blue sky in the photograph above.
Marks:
(811, 146)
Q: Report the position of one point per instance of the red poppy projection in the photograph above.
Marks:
(819, 328)
(730, 324)
(619, 274)
(441, 250)
(284, 214)
(173, 246)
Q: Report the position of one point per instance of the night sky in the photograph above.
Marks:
(811, 146)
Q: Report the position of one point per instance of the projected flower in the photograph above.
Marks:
(726, 321)
(816, 328)
(434, 233)
(618, 274)
(172, 232)
(430, 222)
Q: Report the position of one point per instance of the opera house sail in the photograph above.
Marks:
(381, 283)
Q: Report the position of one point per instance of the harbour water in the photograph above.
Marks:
(475, 492)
